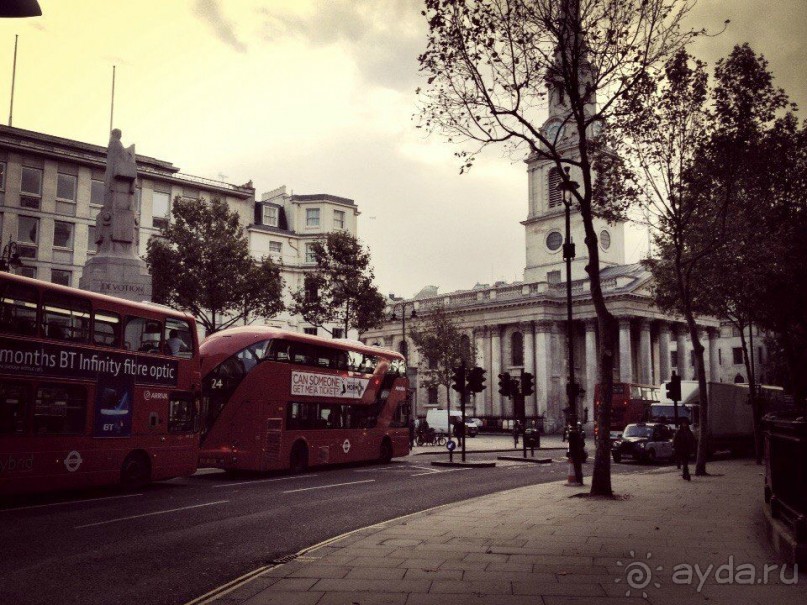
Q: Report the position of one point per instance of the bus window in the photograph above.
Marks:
(359, 362)
(18, 309)
(178, 338)
(60, 409)
(143, 334)
(65, 318)
(180, 414)
(15, 401)
(106, 328)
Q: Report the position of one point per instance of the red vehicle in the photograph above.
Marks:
(90, 390)
(630, 403)
(281, 400)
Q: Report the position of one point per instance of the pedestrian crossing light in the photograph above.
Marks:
(505, 384)
(527, 384)
(458, 378)
(476, 380)
(674, 387)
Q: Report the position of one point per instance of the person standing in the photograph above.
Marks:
(516, 433)
(411, 432)
(684, 445)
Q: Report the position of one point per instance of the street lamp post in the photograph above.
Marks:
(10, 259)
(568, 186)
(413, 315)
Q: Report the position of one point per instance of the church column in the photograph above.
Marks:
(479, 361)
(664, 351)
(625, 351)
(542, 365)
(557, 398)
(645, 353)
(592, 365)
(529, 362)
(683, 356)
(714, 363)
(496, 368)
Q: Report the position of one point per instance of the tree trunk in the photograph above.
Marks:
(601, 475)
(752, 393)
(703, 432)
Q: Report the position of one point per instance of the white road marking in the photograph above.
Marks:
(378, 468)
(6, 510)
(159, 512)
(305, 489)
(264, 481)
(433, 472)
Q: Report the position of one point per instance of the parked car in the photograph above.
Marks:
(473, 426)
(644, 442)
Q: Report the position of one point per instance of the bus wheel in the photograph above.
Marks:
(299, 458)
(386, 451)
(136, 471)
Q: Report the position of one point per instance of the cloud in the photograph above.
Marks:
(383, 37)
(210, 12)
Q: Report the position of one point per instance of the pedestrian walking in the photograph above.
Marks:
(516, 432)
(412, 433)
(684, 445)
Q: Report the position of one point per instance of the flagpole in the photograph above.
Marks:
(112, 107)
(13, 80)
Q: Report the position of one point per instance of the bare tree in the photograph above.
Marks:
(494, 66)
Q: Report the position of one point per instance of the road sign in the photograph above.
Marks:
(450, 445)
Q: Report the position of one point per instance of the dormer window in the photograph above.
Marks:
(270, 216)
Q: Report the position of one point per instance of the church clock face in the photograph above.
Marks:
(554, 132)
(554, 241)
(605, 239)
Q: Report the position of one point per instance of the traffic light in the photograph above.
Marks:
(476, 380)
(674, 387)
(505, 384)
(527, 384)
(458, 377)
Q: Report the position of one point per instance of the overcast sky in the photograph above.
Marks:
(317, 95)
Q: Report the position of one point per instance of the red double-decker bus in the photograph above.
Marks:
(275, 399)
(630, 403)
(94, 390)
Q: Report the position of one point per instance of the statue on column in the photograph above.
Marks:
(116, 223)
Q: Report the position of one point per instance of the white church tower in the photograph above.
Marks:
(545, 224)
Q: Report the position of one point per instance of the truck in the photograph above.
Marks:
(731, 421)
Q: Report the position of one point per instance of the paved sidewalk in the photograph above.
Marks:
(494, 442)
(677, 542)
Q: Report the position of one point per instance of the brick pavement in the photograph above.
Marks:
(543, 545)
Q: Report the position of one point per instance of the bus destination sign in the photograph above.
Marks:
(30, 358)
(327, 385)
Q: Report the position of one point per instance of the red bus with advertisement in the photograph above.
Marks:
(630, 403)
(274, 399)
(94, 390)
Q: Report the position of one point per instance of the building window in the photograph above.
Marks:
(31, 187)
(737, 354)
(66, 187)
(338, 333)
(312, 217)
(735, 332)
(310, 257)
(2, 176)
(554, 241)
(97, 193)
(554, 194)
(739, 379)
(517, 353)
(432, 394)
(605, 239)
(27, 236)
(191, 193)
(91, 245)
(57, 276)
(674, 358)
(338, 219)
(311, 331)
(27, 271)
(759, 355)
(720, 357)
(270, 216)
(311, 291)
(275, 248)
(63, 235)
(160, 208)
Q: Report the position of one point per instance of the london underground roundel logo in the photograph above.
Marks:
(72, 461)
(346, 446)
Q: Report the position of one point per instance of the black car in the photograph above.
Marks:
(644, 442)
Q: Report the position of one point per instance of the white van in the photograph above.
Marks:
(438, 420)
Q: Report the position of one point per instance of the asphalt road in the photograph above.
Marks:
(176, 540)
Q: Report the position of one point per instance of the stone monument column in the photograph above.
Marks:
(116, 269)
